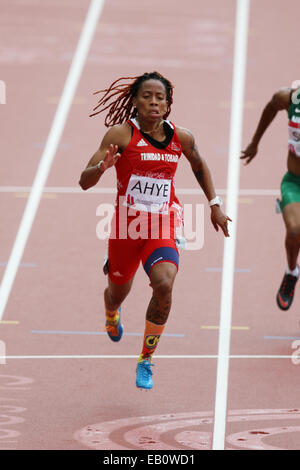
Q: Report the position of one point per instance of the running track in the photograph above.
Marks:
(63, 384)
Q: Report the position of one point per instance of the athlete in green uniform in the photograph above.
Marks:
(287, 99)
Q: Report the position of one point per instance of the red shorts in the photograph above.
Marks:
(124, 256)
(147, 239)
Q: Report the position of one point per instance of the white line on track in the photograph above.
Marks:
(106, 356)
(56, 131)
(238, 82)
(103, 190)
(124, 356)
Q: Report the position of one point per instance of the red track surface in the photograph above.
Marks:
(64, 403)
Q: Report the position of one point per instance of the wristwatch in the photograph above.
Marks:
(217, 201)
(99, 164)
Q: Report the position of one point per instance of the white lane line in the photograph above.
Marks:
(57, 189)
(184, 356)
(56, 131)
(107, 190)
(238, 83)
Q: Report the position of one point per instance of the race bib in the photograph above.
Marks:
(148, 194)
(294, 139)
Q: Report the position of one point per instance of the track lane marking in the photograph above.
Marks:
(289, 338)
(83, 46)
(44, 195)
(236, 126)
(65, 332)
(217, 327)
(108, 190)
(118, 356)
(236, 270)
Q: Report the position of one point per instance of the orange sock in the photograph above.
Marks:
(112, 318)
(151, 338)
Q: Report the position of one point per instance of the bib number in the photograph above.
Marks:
(148, 194)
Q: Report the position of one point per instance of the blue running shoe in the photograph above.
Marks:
(144, 374)
(115, 331)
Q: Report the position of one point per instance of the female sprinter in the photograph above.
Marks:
(145, 148)
(285, 99)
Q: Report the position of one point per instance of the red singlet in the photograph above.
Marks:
(147, 210)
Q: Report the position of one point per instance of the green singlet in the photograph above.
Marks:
(290, 185)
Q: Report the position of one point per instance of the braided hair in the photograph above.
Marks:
(121, 108)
